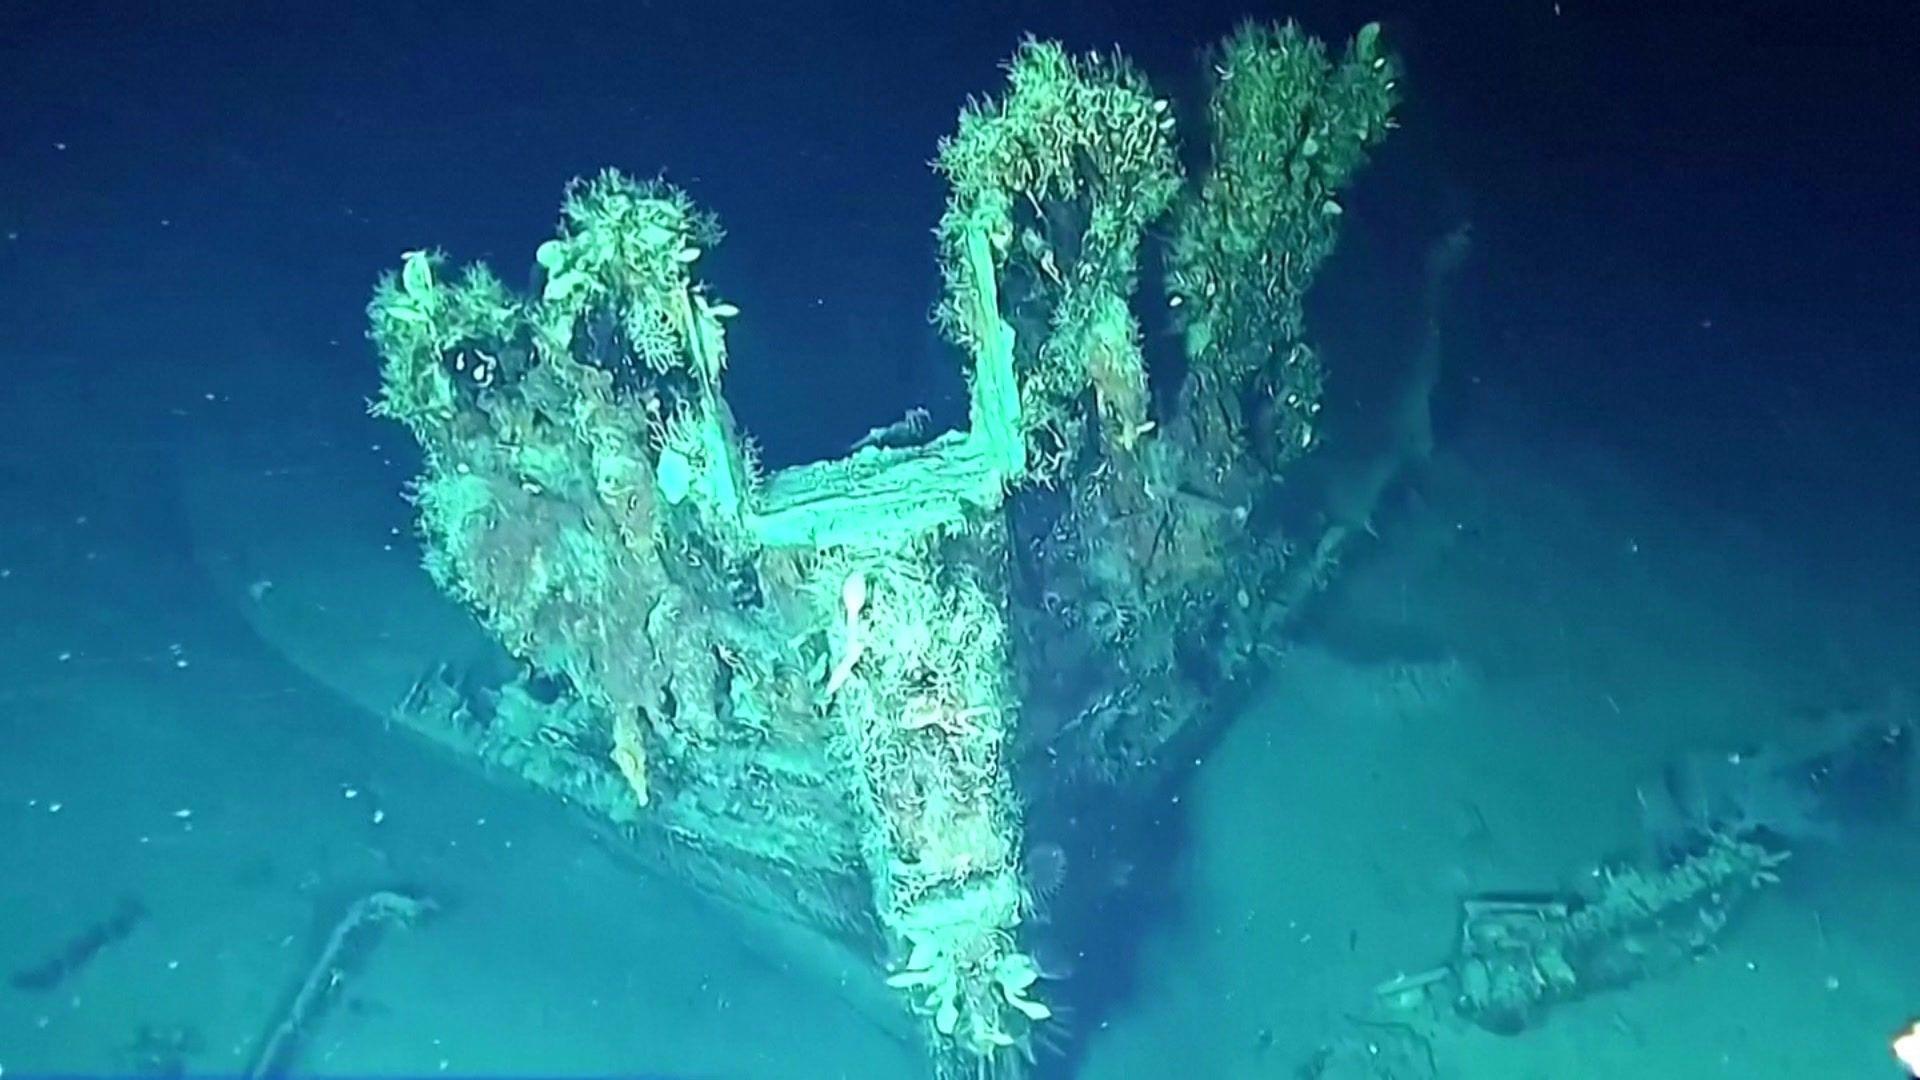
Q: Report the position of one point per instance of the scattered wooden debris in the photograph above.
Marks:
(345, 945)
(56, 969)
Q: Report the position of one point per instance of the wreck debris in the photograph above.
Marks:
(345, 946)
(1516, 959)
(76, 953)
(1519, 955)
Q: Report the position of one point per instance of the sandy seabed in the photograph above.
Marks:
(199, 658)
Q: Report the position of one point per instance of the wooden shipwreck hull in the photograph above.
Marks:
(837, 691)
